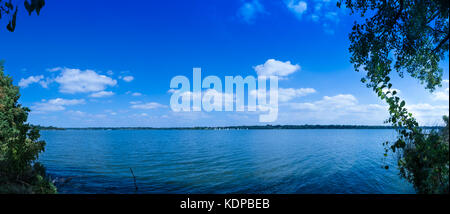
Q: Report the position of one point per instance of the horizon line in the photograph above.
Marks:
(268, 126)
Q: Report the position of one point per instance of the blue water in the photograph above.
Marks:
(221, 161)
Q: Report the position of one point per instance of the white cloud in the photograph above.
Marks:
(345, 107)
(250, 10)
(440, 96)
(102, 94)
(128, 78)
(443, 94)
(30, 80)
(428, 114)
(425, 107)
(338, 104)
(150, 105)
(136, 94)
(323, 13)
(287, 94)
(274, 67)
(57, 104)
(60, 101)
(338, 109)
(77, 81)
(338, 101)
(46, 82)
(298, 7)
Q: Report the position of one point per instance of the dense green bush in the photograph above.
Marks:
(425, 161)
(19, 145)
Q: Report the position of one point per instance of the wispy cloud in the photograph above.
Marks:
(297, 7)
(324, 13)
(150, 105)
(128, 78)
(249, 10)
(102, 94)
(428, 114)
(337, 109)
(442, 95)
(346, 107)
(57, 104)
(30, 80)
(287, 94)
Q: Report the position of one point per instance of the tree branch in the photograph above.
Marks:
(441, 43)
(397, 16)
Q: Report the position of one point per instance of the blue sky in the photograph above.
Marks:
(109, 63)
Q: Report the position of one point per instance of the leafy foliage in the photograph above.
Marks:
(8, 8)
(19, 145)
(411, 36)
(425, 161)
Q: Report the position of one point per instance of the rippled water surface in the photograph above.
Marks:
(221, 161)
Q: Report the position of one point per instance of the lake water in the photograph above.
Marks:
(222, 161)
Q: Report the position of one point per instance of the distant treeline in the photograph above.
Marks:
(236, 127)
(48, 128)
